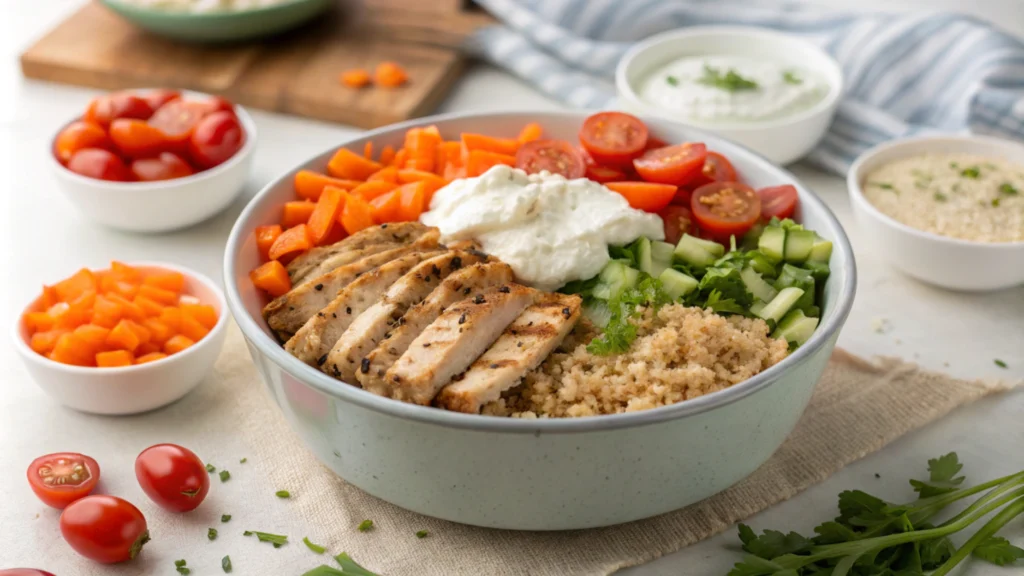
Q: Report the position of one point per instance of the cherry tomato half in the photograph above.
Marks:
(24, 572)
(675, 165)
(216, 104)
(166, 166)
(104, 528)
(654, 142)
(135, 138)
(61, 478)
(172, 476)
(98, 163)
(555, 156)
(177, 119)
(216, 138)
(717, 168)
(79, 135)
(105, 109)
(600, 173)
(683, 195)
(778, 201)
(646, 196)
(613, 138)
(157, 98)
(678, 220)
(722, 209)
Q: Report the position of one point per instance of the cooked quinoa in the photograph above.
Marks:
(959, 195)
(681, 353)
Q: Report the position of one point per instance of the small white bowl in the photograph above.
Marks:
(164, 205)
(781, 140)
(132, 389)
(948, 262)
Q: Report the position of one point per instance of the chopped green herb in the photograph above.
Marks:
(225, 564)
(672, 80)
(422, 534)
(324, 570)
(940, 197)
(366, 525)
(954, 165)
(972, 172)
(211, 533)
(314, 547)
(283, 494)
(276, 539)
(243, 460)
(349, 566)
(247, 533)
(225, 517)
(731, 81)
(995, 202)
(1000, 363)
(1008, 189)
(620, 332)
(225, 475)
(179, 565)
(998, 551)
(790, 77)
(882, 185)
(210, 468)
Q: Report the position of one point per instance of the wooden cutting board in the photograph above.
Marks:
(296, 73)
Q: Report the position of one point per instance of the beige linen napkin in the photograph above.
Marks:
(858, 407)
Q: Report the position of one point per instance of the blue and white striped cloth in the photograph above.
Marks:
(905, 74)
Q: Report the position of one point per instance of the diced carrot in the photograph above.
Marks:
(387, 154)
(79, 283)
(309, 184)
(129, 309)
(452, 172)
(204, 313)
(158, 331)
(265, 237)
(357, 215)
(481, 161)
(172, 318)
(49, 297)
(355, 78)
(71, 349)
(147, 348)
(173, 281)
(122, 337)
(368, 150)
(165, 297)
(471, 142)
(271, 277)
(407, 176)
(150, 357)
(647, 196)
(385, 174)
(386, 207)
(114, 358)
(349, 165)
(43, 342)
(337, 234)
(78, 312)
(452, 152)
(421, 144)
(325, 215)
(176, 344)
(93, 335)
(191, 328)
(389, 75)
(290, 242)
(296, 213)
(110, 284)
(530, 132)
(149, 306)
(124, 273)
(141, 331)
(370, 190)
(400, 158)
(413, 200)
(106, 312)
(432, 130)
(38, 321)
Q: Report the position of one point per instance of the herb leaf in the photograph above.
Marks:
(314, 547)
(998, 551)
(1000, 363)
(225, 564)
(365, 525)
(225, 517)
(349, 566)
(672, 80)
(422, 534)
(772, 543)
(942, 476)
(210, 468)
(179, 565)
(225, 475)
(940, 197)
(283, 494)
(620, 332)
(277, 540)
(211, 534)
(790, 77)
(730, 81)
(972, 172)
(243, 460)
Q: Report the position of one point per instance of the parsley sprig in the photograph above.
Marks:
(730, 80)
(620, 332)
(349, 567)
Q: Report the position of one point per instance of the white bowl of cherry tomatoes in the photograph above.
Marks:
(154, 160)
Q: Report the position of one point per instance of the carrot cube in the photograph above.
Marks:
(106, 312)
(165, 297)
(125, 273)
(292, 241)
(296, 213)
(94, 336)
(348, 165)
(122, 337)
(50, 296)
(309, 185)
(191, 328)
(158, 331)
(149, 307)
(272, 278)
(177, 344)
(38, 321)
(114, 358)
(70, 349)
(172, 318)
(73, 287)
(43, 342)
(129, 309)
(173, 281)
(204, 313)
(78, 312)
(150, 357)
(147, 348)
(265, 237)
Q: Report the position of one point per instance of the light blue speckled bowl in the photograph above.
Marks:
(552, 474)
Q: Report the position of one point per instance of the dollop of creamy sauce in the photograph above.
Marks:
(550, 230)
(732, 89)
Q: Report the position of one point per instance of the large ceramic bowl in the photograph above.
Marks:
(549, 474)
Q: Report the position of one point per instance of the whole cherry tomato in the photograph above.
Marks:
(77, 135)
(105, 109)
(166, 166)
(216, 138)
(159, 97)
(104, 528)
(24, 572)
(60, 479)
(98, 163)
(136, 138)
(172, 476)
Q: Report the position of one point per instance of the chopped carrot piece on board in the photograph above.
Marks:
(481, 161)
(265, 237)
(296, 213)
(355, 78)
(530, 132)
(149, 306)
(158, 331)
(349, 165)
(204, 313)
(150, 357)
(177, 344)
(173, 281)
(387, 154)
(291, 242)
(389, 75)
(309, 184)
(386, 207)
(357, 215)
(114, 358)
(325, 215)
(71, 288)
(272, 278)
(386, 174)
(370, 190)
(165, 297)
(470, 142)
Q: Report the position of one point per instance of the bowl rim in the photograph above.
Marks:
(185, 16)
(251, 136)
(855, 172)
(267, 346)
(824, 106)
(222, 321)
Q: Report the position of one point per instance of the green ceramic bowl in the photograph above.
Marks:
(226, 26)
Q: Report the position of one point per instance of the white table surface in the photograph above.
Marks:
(44, 239)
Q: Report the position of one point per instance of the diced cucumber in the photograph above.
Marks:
(698, 252)
(602, 291)
(644, 259)
(798, 278)
(819, 270)
(781, 304)
(756, 307)
(795, 327)
(798, 244)
(614, 278)
(756, 285)
(821, 250)
(676, 284)
(762, 265)
(662, 252)
(598, 312)
(772, 242)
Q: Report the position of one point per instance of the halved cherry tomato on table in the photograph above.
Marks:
(177, 119)
(717, 168)
(105, 109)
(161, 96)
(675, 165)
(61, 478)
(135, 138)
(722, 209)
(104, 528)
(166, 166)
(79, 135)
(216, 138)
(613, 138)
(778, 201)
(646, 196)
(172, 476)
(555, 156)
(24, 572)
(678, 220)
(98, 163)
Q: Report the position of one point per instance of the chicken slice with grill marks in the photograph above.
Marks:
(313, 341)
(365, 331)
(521, 348)
(452, 342)
(323, 259)
(458, 286)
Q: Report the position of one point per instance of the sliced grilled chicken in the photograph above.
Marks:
(286, 314)
(521, 348)
(452, 342)
(465, 283)
(323, 259)
(365, 331)
(312, 342)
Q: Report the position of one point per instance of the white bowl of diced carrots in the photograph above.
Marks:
(123, 340)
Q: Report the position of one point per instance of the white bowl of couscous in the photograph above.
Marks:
(947, 210)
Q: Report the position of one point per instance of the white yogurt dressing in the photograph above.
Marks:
(782, 90)
(550, 230)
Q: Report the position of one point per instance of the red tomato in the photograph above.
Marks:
(722, 209)
(778, 201)
(682, 197)
(717, 168)
(166, 166)
(159, 97)
(604, 174)
(216, 104)
(555, 156)
(613, 138)
(60, 479)
(109, 107)
(647, 196)
(97, 163)
(104, 528)
(24, 572)
(177, 119)
(674, 165)
(172, 476)
(136, 138)
(215, 139)
(654, 142)
(678, 220)
(78, 135)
